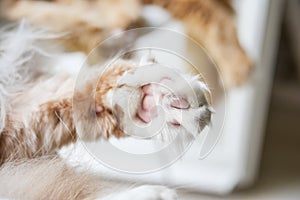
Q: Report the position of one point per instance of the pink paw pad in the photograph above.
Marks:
(180, 103)
(148, 109)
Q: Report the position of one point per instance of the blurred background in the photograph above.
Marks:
(279, 169)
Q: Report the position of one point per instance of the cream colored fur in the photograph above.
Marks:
(40, 118)
(209, 22)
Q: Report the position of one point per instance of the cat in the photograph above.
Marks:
(38, 117)
(210, 22)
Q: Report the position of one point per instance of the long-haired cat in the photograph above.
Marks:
(37, 115)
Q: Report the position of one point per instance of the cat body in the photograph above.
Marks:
(37, 106)
(41, 113)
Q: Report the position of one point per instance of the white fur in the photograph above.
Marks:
(145, 192)
(174, 83)
(22, 52)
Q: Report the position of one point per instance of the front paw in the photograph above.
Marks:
(155, 99)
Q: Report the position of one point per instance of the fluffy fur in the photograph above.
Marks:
(19, 50)
(39, 118)
(210, 22)
(37, 107)
(53, 179)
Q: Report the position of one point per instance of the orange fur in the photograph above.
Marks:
(87, 23)
(35, 130)
(49, 124)
(42, 116)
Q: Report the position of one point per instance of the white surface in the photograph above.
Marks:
(234, 160)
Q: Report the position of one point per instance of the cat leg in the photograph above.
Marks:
(101, 112)
(86, 23)
(42, 117)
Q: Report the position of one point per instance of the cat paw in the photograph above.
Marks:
(154, 99)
